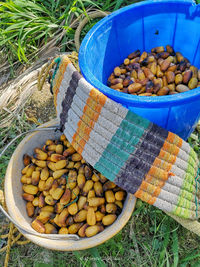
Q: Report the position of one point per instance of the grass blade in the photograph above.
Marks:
(79, 256)
(167, 259)
(40, 264)
(183, 264)
(191, 257)
(165, 241)
(175, 248)
(95, 254)
(118, 4)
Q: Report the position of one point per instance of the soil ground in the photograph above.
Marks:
(41, 105)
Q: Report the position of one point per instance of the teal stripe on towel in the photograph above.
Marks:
(126, 136)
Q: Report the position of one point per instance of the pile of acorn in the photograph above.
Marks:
(65, 195)
(161, 72)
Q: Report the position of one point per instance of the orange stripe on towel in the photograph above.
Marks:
(174, 139)
(91, 110)
(150, 189)
(59, 77)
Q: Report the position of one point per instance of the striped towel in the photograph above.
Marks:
(144, 159)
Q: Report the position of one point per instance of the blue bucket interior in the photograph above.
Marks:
(143, 26)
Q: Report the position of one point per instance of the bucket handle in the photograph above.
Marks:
(92, 15)
(23, 229)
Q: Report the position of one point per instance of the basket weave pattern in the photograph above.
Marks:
(146, 160)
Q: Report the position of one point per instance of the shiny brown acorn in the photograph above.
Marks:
(139, 72)
(64, 194)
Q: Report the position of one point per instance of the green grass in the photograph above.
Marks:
(26, 25)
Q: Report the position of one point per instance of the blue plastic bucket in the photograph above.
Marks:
(143, 26)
